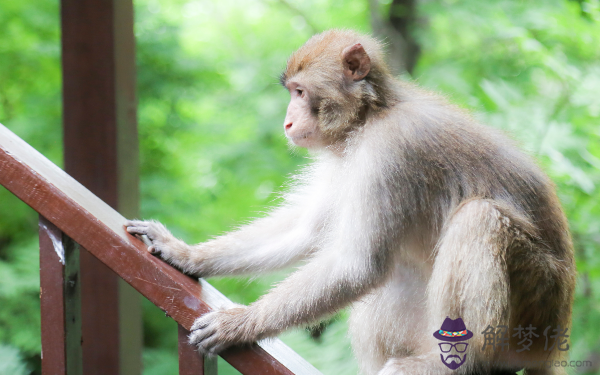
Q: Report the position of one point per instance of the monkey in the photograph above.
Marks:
(411, 212)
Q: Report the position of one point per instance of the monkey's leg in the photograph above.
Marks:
(469, 281)
(390, 320)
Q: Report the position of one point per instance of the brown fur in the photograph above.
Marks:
(412, 212)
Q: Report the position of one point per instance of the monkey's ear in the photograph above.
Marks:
(357, 63)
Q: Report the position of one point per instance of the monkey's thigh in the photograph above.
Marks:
(470, 278)
(468, 281)
(390, 320)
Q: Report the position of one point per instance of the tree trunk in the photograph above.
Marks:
(397, 31)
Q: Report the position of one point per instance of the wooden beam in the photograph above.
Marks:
(100, 229)
(100, 149)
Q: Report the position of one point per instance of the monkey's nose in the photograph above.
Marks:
(288, 126)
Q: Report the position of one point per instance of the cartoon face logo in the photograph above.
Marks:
(453, 349)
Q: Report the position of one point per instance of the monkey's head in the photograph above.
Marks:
(334, 79)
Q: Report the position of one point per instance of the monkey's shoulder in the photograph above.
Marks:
(433, 143)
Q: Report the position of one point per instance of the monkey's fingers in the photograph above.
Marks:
(144, 238)
(200, 337)
(203, 330)
(203, 321)
(137, 230)
(135, 223)
(209, 345)
(151, 248)
(202, 334)
(200, 323)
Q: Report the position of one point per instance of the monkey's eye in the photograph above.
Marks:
(300, 92)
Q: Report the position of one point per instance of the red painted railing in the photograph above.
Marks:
(72, 219)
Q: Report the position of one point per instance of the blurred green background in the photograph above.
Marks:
(210, 119)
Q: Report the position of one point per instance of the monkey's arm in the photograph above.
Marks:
(287, 235)
(326, 284)
(354, 261)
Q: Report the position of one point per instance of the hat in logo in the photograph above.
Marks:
(453, 330)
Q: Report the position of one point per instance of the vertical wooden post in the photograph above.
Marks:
(190, 362)
(60, 296)
(101, 152)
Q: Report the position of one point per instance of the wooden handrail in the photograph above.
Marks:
(100, 230)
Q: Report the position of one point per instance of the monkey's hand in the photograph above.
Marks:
(162, 242)
(217, 330)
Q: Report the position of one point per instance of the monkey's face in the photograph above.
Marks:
(330, 94)
(301, 125)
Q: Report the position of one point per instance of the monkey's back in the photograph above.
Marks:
(441, 158)
(450, 159)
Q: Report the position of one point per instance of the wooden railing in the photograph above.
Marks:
(72, 217)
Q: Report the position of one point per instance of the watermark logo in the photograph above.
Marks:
(454, 333)
(497, 338)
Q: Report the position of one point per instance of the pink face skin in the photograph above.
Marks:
(300, 125)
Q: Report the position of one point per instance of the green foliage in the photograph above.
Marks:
(212, 151)
(11, 361)
(29, 106)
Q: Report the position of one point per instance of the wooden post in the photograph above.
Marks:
(101, 152)
(60, 294)
(190, 361)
